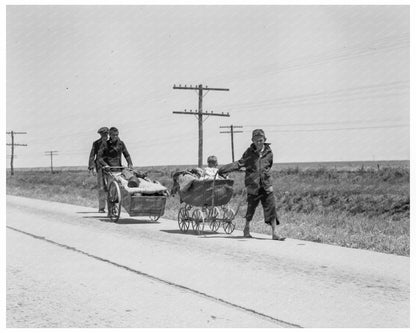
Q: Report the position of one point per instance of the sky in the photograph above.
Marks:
(326, 83)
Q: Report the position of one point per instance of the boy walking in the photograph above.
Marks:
(258, 160)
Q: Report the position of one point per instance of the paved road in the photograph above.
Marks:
(68, 267)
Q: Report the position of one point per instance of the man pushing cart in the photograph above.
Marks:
(125, 187)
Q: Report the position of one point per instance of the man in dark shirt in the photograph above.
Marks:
(258, 160)
(95, 168)
(109, 154)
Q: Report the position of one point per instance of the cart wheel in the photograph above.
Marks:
(154, 218)
(228, 225)
(114, 201)
(183, 219)
(212, 216)
(198, 221)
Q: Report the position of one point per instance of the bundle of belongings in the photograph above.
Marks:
(182, 180)
(137, 183)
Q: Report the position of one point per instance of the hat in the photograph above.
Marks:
(103, 130)
(258, 132)
(113, 129)
(212, 159)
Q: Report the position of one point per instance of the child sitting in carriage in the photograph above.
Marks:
(211, 170)
(182, 180)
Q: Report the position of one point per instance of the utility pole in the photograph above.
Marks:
(51, 153)
(231, 127)
(200, 113)
(12, 133)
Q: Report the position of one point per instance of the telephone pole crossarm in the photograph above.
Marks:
(231, 131)
(13, 144)
(51, 153)
(203, 113)
(200, 88)
(200, 113)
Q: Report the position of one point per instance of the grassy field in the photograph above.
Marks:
(358, 205)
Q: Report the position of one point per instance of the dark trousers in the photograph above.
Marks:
(102, 195)
(268, 202)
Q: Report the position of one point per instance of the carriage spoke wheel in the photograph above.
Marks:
(183, 219)
(114, 201)
(228, 224)
(212, 216)
(198, 221)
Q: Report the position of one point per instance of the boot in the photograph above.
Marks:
(247, 231)
(275, 236)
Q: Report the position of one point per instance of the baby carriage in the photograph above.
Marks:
(205, 202)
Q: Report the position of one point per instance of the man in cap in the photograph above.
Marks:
(109, 154)
(258, 160)
(95, 168)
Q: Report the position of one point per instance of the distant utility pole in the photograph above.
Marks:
(231, 127)
(200, 113)
(12, 133)
(51, 153)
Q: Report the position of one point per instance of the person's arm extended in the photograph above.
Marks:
(233, 166)
(127, 156)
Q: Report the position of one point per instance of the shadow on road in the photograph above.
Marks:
(189, 232)
(95, 212)
(210, 234)
(135, 221)
(238, 237)
(121, 220)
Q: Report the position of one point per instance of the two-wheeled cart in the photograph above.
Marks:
(135, 203)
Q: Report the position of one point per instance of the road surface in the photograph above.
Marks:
(67, 266)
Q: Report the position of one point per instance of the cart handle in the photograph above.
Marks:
(108, 168)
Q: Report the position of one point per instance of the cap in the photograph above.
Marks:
(258, 132)
(103, 130)
(113, 129)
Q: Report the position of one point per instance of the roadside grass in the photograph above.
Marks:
(365, 208)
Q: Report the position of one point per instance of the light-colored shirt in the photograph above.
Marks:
(209, 173)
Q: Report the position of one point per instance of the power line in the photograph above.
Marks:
(325, 123)
(232, 131)
(340, 54)
(369, 91)
(200, 113)
(13, 144)
(339, 129)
